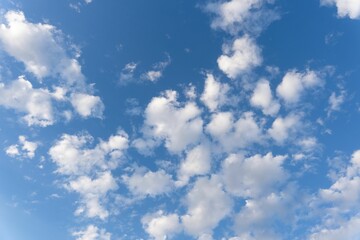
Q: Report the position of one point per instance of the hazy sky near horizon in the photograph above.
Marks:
(158, 119)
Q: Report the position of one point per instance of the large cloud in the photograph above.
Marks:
(350, 8)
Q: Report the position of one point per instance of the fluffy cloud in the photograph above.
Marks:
(283, 128)
(87, 105)
(241, 15)
(143, 183)
(92, 233)
(93, 194)
(157, 71)
(345, 8)
(24, 148)
(295, 83)
(166, 119)
(215, 93)
(73, 157)
(263, 99)
(335, 101)
(240, 57)
(161, 226)
(232, 134)
(207, 205)
(253, 176)
(36, 103)
(197, 162)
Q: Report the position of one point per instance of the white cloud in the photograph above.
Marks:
(345, 8)
(87, 105)
(295, 83)
(262, 98)
(349, 230)
(93, 194)
(335, 101)
(127, 73)
(241, 15)
(207, 205)
(179, 125)
(215, 93)
(92, 233)
(253, 176)
(24, 148)
(283, 128)
(142, 182)
(161, 226)
(36, 103)
(197, 162)
(157, 70)
(73, 157)
(240, 57)
(232, 134)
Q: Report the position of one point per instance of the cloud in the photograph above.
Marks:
(143, 183)
(24, 148)
(92, 233)
(72, 156)
(253, 176)
(161, 226)
(283, 128)
(240, 57)
(335, 101)
(36, 103)
(197, 162)
(179, 125)
(345, 8)
(157, 71)
(232, 134)
(263, 99)
(93, 192)
(234, 16)
(295, 83)
(127, 73)
(87, 105)
(207, 205)
(215, 93)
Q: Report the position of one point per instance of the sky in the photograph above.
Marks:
(159, 120)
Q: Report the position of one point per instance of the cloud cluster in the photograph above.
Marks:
(23, 149)
(345, 8)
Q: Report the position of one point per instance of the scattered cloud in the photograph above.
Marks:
(161, 226)
(345, 8)
(215, 93)
(92, 233)
(23, 149)
(262, 98)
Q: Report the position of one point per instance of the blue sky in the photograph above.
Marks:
(208, 120)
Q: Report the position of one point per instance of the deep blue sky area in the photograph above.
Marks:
(158, 119)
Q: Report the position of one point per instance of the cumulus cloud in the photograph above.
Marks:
(72, 155)
(240, 57)
(93, 193)
(36, 103)
(345, 8)
(23, 149)
(87, 105)
(197, 162)
(253, 176)
(283, 128)
(233, 134)
(250, 16)
(143, 183)
(179, 125)
(335, 101)
(207, 205)
(92, 233)
(161, 226)
(263, 99)
(215, 93)
(295, 83)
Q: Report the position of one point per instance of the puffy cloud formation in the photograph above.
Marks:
(179, 125)
(283, 128)
(92, 233)
(93, 193)
(262, 98)
(215, 93)
(87, 105)
(35, 103)
(295, 83)
(232, 134)
(240, 57)
(143, 183)
(345, 8)
(241, 15)
(335, 101)
(161, 226)
(207, 205)
(253, 176)
(24, 148)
